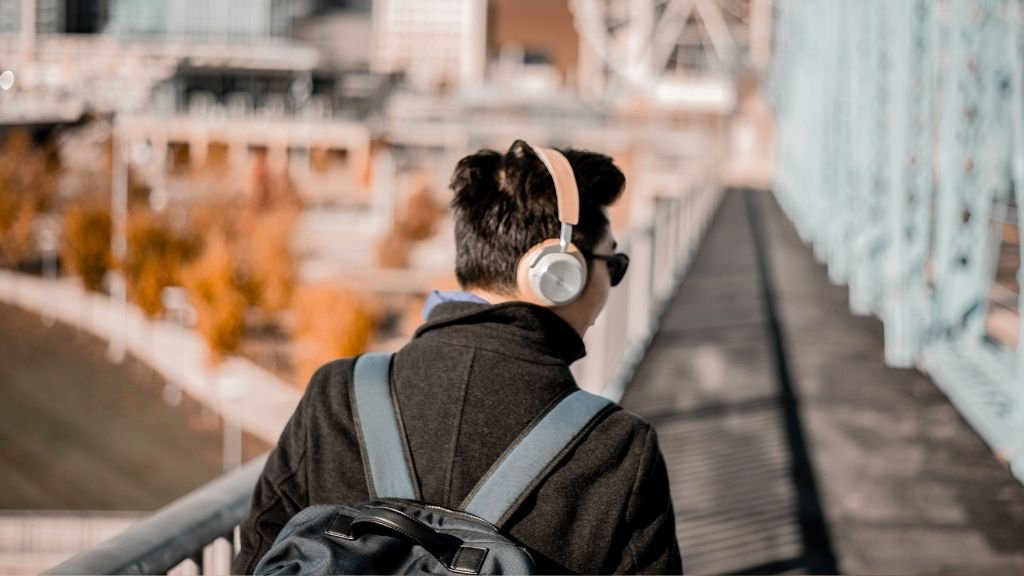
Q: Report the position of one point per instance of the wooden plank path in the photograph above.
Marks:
(790, 446)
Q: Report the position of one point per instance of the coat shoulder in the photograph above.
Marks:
(326, 400)
(622, 422)
(331, 379)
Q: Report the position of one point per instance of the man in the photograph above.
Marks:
(484, 366)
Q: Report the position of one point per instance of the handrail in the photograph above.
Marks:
(175, 532)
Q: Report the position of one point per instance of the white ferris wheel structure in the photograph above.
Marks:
(650, 46)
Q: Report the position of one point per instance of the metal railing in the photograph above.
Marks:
(197, 531)
(33, 540)
(660, 255)
(901, 141)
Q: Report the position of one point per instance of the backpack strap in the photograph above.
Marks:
(522, 466)
(377, 423)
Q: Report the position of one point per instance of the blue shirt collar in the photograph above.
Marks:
(438, 296)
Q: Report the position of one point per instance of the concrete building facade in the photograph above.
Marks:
(438, 43)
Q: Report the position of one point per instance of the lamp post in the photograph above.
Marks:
(301, 90)
(47, 236)
(175, 301)
(118, 249)
(140, 154)
(231, 392)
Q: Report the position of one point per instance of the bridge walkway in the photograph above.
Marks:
(791, 447)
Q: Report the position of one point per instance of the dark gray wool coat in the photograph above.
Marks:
(473, 377)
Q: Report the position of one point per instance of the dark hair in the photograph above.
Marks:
(504, 205)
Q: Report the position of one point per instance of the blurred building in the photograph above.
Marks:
(217, 18)
(226, 18)
(86, 16)
(341, 30)
(308, 87)
(437, 43)
(445, 44)
(532, 45)
(54, 16)
(45, 17)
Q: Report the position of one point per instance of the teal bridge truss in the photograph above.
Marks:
(901, 160)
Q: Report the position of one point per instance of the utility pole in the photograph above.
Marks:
(119, 249)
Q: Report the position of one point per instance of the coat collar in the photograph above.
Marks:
(510, 325)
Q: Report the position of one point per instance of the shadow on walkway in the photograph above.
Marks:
(791, 447)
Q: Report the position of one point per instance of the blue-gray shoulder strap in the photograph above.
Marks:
(516, 471)
(378, 425)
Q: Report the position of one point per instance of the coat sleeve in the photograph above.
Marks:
(281, 490)
(652, 547)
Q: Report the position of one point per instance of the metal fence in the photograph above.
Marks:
(660, 254)
(33, 540)
(195, 534)
(901, 157)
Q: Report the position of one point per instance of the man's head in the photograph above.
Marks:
(505, 204)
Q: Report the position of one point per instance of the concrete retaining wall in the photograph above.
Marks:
(239, 390)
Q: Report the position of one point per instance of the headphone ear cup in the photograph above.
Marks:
(523, 283)
(548, 277)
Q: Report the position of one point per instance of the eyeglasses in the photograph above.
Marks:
(618, 263)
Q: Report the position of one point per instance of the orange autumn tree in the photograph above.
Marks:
(414, 222)
(392, 251)
(27, 187)
(85, 246)
(16, 222)
(218, 297)
(156, 256)
(268, 223)
(330, 322)
(268, 257)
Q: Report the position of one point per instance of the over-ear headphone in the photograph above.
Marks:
(553, 272)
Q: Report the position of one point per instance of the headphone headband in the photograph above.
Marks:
(565, 184)
(553, 273)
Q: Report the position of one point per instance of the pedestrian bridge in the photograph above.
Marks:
(833, 366)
